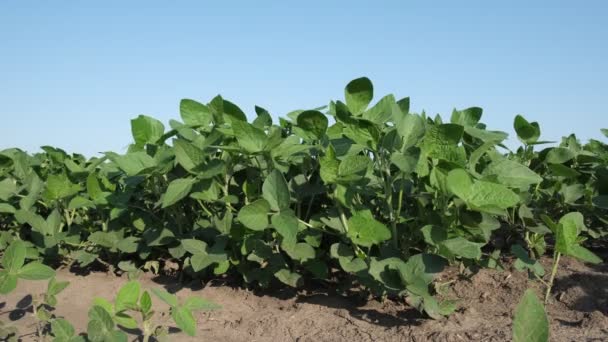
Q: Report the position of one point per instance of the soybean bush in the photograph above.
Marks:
(354, 192)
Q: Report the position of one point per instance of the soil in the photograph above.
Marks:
(578, 308)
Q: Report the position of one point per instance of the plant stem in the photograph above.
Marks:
(553, 273)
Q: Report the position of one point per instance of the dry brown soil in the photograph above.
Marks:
(578, 309)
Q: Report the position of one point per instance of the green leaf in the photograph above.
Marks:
(249, 137)
(300, 251)
(184, 319)
(276, 191)
(177, 190)
(187, 155)
(146, 130)
(359, 94)
(441, 142)
(422, 267)
(194, 246)
(198, 303)
(59, 187)
(127, 296)
(527, 132)
(14, 257)
(382, 111)
(559, 155)
(524, 261)
(411, 129)
(8, 282)
(55, 287)
(6, 208)
(62, 329)
(36, 271)
(365, 231)
(100, 323)
(194, 113)
(255, 215)
(462, 247)
(286, 223)
(289, 278)
(530, 323)
(329, 166)
(513, 174)
(584, 254)
(165, 296)
(466, 117)
(480, 195)
(145, 302)
(8, 188)
(132, 163)
(314, 122)
(353, 168)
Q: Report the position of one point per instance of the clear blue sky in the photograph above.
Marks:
(73, 73)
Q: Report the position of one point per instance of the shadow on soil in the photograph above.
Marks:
(585, 292)
(317, 294)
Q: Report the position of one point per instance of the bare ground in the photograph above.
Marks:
(578, 309)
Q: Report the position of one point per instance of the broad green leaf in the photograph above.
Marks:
(184, 319)
(300, 251)
(233, 113)
(62, 329)
(365, 231)
(584, 254)
(485, 135)
(441, 142)
(466, 117)
(6, 208)
(353, 168)
(276, 191)
(329, 166)
(530, 323)
(8, 187)
(462, 247)
(8, 282)
(359, 93)
(486, 194)
(411, 129)
(382, 111)
(527, 132)
(255, 215)
(165, 296)
(132, 163)
(187, 155)
(59, 187)
(194, 113)
(559, 155)
(524, 261)
(386, 271)
(100, 325)
(314, 122)
(480, 195)
(512, 174)
(194, 246)
(176, 191)
(127, 296)
(36, 271)
(146, 130)
(287, 277)
(249, 137)
(14, 257)
(286, 223)
(422, 267)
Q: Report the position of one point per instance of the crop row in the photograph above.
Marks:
(355, 193)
